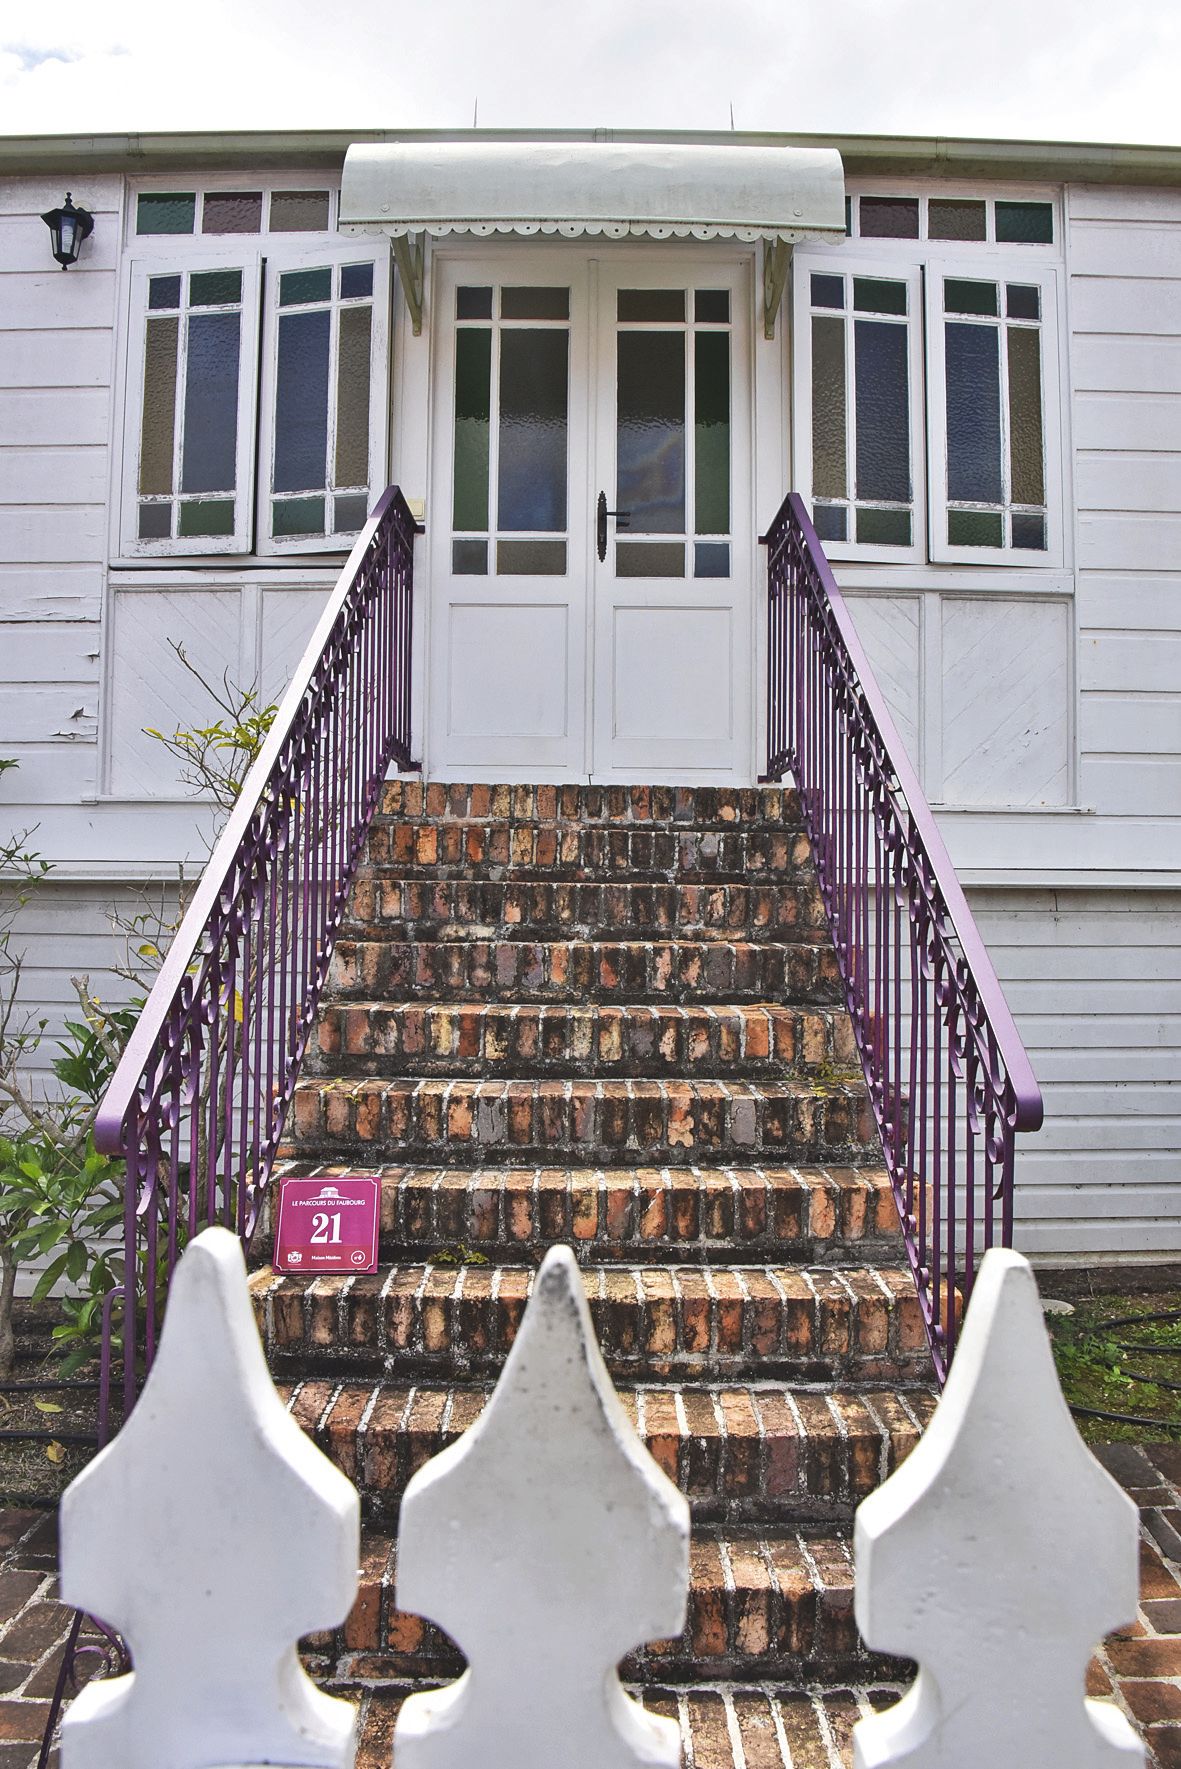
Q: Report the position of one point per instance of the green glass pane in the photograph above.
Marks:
(157, 213)
(298, 286)
(1027, 478)
(872, 294)
(291, 516)
(1023, 301)
(658, 559)
(535, 304)
(884, 528)
(534, 401)
(356, 282)
(299, 211)
(1025, 223)
(712, 307)
(164, 291)
(469, 558)
(352, 397)
(955, 218)
(158, 430)
(215, 288)
(829, 416)
(831, 522)
(473, 380)
(961, 296)
(349, 512)
(232, 211)
(711, 559)
(650, 431)
(889, 218)
(975, 528)
(155, 522)
(1029, 532)
(473, 303)
(639, 305)
(712, 432)
(828, 291)
(207, 519)
(531, 558)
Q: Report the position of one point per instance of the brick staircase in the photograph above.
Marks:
(610, 1016)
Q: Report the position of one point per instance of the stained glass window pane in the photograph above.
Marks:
(157, 213)
(872, 294)
(650, 479)
(828, 291)
(469, 558)
(1026, 453)
(210, 445)
(301, 402)
(206, 520)
(711, 559)
(962, 296)
(299, 211)
(158, 432)
(531, 558)
(651, 304)
(531, 482)
(215, 288)
(884, 528)
(882, 392)
(1025, 223)
(349, 512)
(890, 218)
(535, 304)
(712, 307)
(356, 281)
(973, 415)
(955, 218)
(155, 522)
(352, 396)
(294, 516)
(473, 303)
(658, 559)
(829, 445)
(1022, 301)
(299, 286)
(712, 432)
(232, 211)
(163, 291)
(473, 371)
(975, 528)
(830, 522)
(1029, 532)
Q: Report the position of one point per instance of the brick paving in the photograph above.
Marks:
(740, 1726)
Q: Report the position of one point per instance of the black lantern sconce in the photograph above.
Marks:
(68, 227)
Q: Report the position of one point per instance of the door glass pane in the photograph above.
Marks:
(356, 282)
(159, 417)
(711, 559)
(657, 559)
(1025, 416)
(883, 411)
(473, 372)
(828, 408)
(298, 286)
(531, 482)
(210, 440)
(712, 307)
(650, 481)
(973, 416)
(712, 432)
(648, 305)
(469, 558)
(352, 397)
(473, 303)
(301, 402)
(535, 304)
(962, 296)
(531, 558)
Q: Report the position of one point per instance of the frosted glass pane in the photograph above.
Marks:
(975, 528)
(349, 513)
(889, 218)
(711, 559)
(953, 218)
(872, 294)
(1029, 532)
(531, 558)
(163, 291)
(882, 392)
(830, 522)
(535, 303)
(210, 445)
(531, 482)
(356, 282)
(215, 288)
(1025, 223)
(299, 211)
(659, 559)
(469, 558)
(158, 434)
(1026, 462)
(198, 521)
(294, 516)
(155, 522)
(829, 418)
(299, 286)
(638, 305)
(473, 370)
(1023, 301)
(712, 432)
(159, 213)
(352, 396)
(884, 528)
(301, 402)
(828, 291)
(962, 296)
(650, 478)
(973, 415)
(232, 211)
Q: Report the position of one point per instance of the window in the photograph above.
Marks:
(255, 389)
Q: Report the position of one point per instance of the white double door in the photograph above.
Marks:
(590, 547)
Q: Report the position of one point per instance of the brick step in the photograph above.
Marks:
(732, 1727)
(686, 1214)
(387, 904)
(576, 802)
(742, 1455)
(592, 851)
(610, 1122)
(763, 1607)
(442, 1321)
(726, 971)
(498, 1038)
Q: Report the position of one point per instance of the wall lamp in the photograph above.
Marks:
(68, 227)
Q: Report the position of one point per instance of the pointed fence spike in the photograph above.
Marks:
(997, 1556)
(548, 1543)
(213, 1535)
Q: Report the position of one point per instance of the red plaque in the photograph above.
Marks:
(328, 1224)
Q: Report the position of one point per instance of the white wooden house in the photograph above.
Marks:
(965, 355)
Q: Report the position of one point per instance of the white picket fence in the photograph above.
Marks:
(548, 1543)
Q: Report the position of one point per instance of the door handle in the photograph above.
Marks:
(622, 520)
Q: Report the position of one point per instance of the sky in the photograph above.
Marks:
(1071, 70)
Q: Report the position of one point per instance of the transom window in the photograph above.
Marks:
(1004, 221)
(233, 211)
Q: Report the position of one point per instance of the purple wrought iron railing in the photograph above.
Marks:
(198, 1103)
(948, 1076)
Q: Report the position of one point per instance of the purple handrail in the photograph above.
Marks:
(199, 1100)
(948, 1076)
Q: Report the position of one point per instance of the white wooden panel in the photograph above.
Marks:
(1126, 248)
(1131, 1031)
(1116, 202)
(1128, 481)
(57, 592)
(41, 534)
(287, 618)
(47, 712)
(51, 773)
(1130, 542)
(1109, 1067)
(1125, 304)
(672, 674)
(1074, 996)
(53, 475)
(1127, 420)
(1105, 364)
(1006, 712)
(1148, 786)
(1080, 961)
(1114, 1098)
(1021, 847)
(1130, 724)
(33, 194)
(1127, 601)
(1136, 662)
(507, 671)
(889, 628)
(40, 416)
(149, 686)
(83, 298)
(30, 653)
(55, 359)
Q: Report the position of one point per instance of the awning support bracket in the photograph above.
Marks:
(408, 256)
(776, 254)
